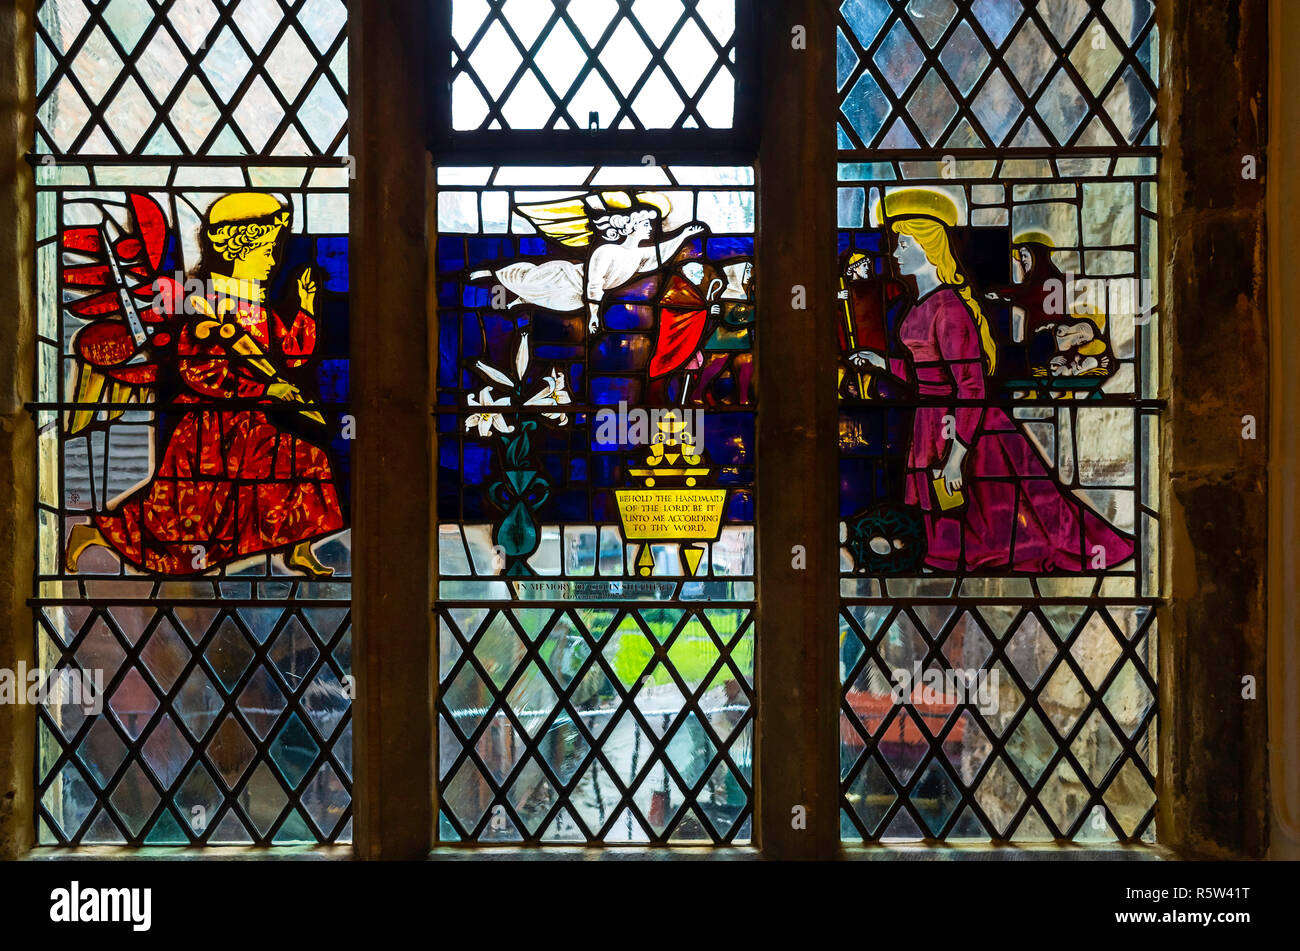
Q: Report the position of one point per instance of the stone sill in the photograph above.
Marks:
(984, 852)
(980, 852)
(113, 853)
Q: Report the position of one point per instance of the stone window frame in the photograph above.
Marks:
(1232, 557)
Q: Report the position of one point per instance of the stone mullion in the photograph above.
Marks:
(797, 738)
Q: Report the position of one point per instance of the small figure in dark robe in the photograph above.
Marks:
(869, 304)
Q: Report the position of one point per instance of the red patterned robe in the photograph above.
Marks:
(230, 483)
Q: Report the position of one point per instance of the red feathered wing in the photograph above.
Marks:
(114, 366)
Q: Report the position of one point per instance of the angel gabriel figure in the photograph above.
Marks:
(236, 478)
(625, 226)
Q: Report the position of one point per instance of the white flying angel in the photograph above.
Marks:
(625, 226)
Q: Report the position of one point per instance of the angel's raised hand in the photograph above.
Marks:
(307, 292)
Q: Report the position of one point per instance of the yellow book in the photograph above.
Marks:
(947, 500)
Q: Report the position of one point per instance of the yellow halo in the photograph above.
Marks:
(243, 206)
(913, 202)
(1034, 237)
(615, 201)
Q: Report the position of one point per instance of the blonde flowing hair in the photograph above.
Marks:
(932, 236)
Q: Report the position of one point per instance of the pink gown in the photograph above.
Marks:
(1017, 517)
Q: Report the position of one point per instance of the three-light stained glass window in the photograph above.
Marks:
(596, 411)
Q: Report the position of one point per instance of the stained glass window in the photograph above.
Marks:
(194, 555)
(999, 419)
(596, 422)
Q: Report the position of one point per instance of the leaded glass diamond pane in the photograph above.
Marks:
(1006, 741)
(1019, 44)
(964, 58)
(646, 65)
(162, 80)
(141, 756)
(899, 58)
(1062, 106)
(622, 733)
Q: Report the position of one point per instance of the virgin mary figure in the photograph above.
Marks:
(989, 500)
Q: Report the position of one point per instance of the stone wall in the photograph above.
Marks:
(17, 438)
(1213, 770)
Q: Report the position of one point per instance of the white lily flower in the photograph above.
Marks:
(495, 375)
(521, 359)
(555, 394)
(521, 367)
(486, 422)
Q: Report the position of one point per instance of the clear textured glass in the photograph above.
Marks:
(986, 49)
(129, 71)
(629, 751)
(643, 65)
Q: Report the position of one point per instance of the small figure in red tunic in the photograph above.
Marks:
(233, 480)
